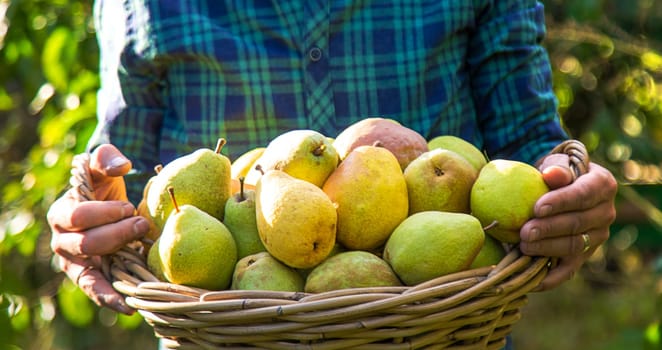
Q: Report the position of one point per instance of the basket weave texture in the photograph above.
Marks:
(473, 309)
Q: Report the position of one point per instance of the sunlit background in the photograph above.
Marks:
(607, 61)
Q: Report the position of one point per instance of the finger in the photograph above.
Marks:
(564, 271)
(92, 282)
(100, 240)
(108, 161)
(598, 185)
(565, 246)
(564, 224)
(556, 171)
(80, 216)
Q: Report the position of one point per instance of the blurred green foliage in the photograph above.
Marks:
(607, 61)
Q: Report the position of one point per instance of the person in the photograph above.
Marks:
(176, 75)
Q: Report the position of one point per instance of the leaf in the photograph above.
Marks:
(129, 322)
(59, 56)
(74, 305)
(652, 60)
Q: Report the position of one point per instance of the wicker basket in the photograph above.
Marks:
(474, 309)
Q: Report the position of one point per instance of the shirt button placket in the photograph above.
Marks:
(319, 93)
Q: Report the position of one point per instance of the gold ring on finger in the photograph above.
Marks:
(587, 242)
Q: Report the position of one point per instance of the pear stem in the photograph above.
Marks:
(491, 225)
(241, 188)
(171, 191)
(258, 167)
(219, 145)
(319, 150)
(377, 144)
(158, 168)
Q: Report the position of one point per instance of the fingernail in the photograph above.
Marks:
(534, 235)
(127, 210)
(141, 227)
(545, 210)
(117, 162)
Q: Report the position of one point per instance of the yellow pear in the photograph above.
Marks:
(304, 154)
(370, 193)
(439, 180)
(202, 179)
(296, 221)
(504, 193)
(405, 143)
(460, 146)
(245, 162)
(431, 244)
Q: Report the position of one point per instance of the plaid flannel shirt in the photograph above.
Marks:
(177, 75)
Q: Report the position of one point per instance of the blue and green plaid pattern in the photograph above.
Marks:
(191, 71)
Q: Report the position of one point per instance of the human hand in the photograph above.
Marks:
(83, 231)
(572, 220)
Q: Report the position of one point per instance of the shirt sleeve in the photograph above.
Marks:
(511, 81)
(130, 106)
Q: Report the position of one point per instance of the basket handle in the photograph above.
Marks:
(578, 156)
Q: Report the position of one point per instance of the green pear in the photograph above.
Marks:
(370, 193)
(351, 269)
(490, 254)
(196, 249)
(460, 146)
(406, 144)
(154, 263)
(439, 180)
(295, 219)
(262, 271)
(240, 219)
(431, 244)
(202, 179)
(337, 248)
(304, 154)
(504, 193)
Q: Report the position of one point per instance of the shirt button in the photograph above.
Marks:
(315, 54)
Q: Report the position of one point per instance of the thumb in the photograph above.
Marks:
(108, 161)
(556, 171)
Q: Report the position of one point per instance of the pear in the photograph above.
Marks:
(304, 154)
(460, 146)
(504, 193)
(261, 271)
(245, 162)
(202, 179)
(295, 219)
(490, 254)
(196, 249)
(240, 219)
(439, 180)
(431, 244)
(337, 248)
(154, 263)
(405, 143)
(142, 210)
(351, 269)
(370, 193)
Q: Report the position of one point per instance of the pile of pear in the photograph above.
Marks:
(376, 205)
